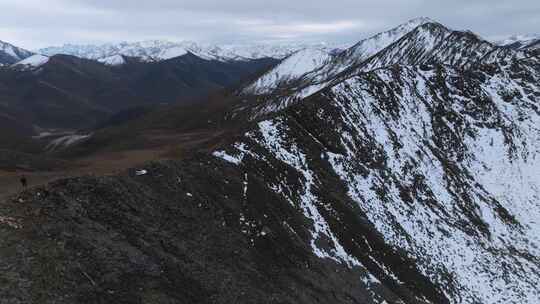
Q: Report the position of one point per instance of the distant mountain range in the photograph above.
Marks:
(67, 92)
(157, 50)
(521, 41)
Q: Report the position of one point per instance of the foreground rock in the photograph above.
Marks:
(182, 232)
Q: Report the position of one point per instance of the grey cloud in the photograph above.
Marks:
(38, 23)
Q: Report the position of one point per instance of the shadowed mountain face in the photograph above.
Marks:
(69, 92)
(388, 183)
(183, 232)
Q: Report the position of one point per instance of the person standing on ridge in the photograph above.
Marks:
(24, 182)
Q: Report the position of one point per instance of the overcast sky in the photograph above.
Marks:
(38, 23)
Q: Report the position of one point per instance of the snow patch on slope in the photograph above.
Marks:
(15, 53)
(520, 40)
(66, 141)
(291, 155)
(113, 60)
(33, 61)
(441, 246)
(172, 52)
(289, 70)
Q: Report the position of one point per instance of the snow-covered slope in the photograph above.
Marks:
(427, 43)
(531, 44)
(436, 140)
(519, 41)
(534, 46)
(113, 60)
(172, 53)
(329, 66)
(290, 70)
(516, 38)
(435, 164)
(371, 46)
(10, 54)
(32, 62)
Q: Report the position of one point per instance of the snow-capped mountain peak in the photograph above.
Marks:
(10, 54)
(293, 68)
(378, 42)
(329, 64)
(420, 20)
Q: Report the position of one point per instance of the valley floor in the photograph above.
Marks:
(164, 144)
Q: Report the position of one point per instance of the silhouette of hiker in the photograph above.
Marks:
(24, 181)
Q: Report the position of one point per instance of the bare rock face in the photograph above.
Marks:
(179, 233)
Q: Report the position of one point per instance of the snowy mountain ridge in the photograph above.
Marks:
(521, 39)
(331, 64)
(291, 69)
(370, 46)
(10, 54)
(420, 41)
(32, 62)
(434, 142)
(157, 50)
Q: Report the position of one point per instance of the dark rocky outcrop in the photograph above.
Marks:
(182, 232)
